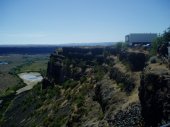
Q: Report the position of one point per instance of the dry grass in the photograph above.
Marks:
(133, 97)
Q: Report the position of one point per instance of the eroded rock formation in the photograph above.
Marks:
(55, 70)
(71, 62)
(135, 59)
(154, 95)
(124, 78)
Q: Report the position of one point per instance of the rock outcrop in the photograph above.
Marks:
(135, 59)
(71, 62)
(84, 86)
(154, 95)
(121, 77)
(55, 70)
(104, 92)
(130, 117)
(110, 99)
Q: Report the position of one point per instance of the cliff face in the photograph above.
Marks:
(154, 95)
(71, 62)
(55, 70)
(109, 91)
(124, 78)
(111, 85)
(135, 59)
(113, 92)
(84, 86)
(112, 100)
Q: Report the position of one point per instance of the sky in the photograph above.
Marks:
(79, 21)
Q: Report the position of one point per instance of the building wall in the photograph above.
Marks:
(140, 38)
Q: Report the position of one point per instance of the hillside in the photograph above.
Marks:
(84, 86)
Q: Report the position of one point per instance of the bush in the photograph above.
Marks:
(99, 72)
(83, 79)
(121, 46)
(165, 37)
(79, 100)
(69, 84)
(51, 92)
(153, 59)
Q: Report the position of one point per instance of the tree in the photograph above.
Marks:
(164, 38)
(166, 35)
(155, 44)
(121, 46)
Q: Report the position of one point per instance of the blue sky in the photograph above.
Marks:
(76, 21)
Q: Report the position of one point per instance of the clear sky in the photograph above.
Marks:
(72, 21)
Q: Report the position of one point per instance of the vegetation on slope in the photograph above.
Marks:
(12, 82)
(164, 38)
(87, 95)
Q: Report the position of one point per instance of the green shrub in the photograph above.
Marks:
(54, 122)
(79, 100)
(51, 92)
(69, 84)
(155, 44)
(83, 79)
(165, 37)
(99, 72)
(153, 59)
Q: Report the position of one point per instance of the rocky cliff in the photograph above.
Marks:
(84, 86)
(71, 62)
(110, 84)
(135, 59)
(154, 95)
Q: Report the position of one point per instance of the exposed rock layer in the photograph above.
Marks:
(67, 63)
(154, 95)
(136, 60)
(121, 77)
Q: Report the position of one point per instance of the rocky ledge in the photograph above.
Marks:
(154, 95)
(135, 59)
(130, 117)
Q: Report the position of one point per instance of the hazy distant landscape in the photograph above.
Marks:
(43, 49)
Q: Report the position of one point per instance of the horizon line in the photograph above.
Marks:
(62, 43)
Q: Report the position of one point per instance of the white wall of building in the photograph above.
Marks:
(140, 38)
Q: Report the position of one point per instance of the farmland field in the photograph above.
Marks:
(18, 63)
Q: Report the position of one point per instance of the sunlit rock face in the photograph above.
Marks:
(154, 95)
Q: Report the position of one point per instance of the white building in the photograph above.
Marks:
(140, 38)
(169, 50)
